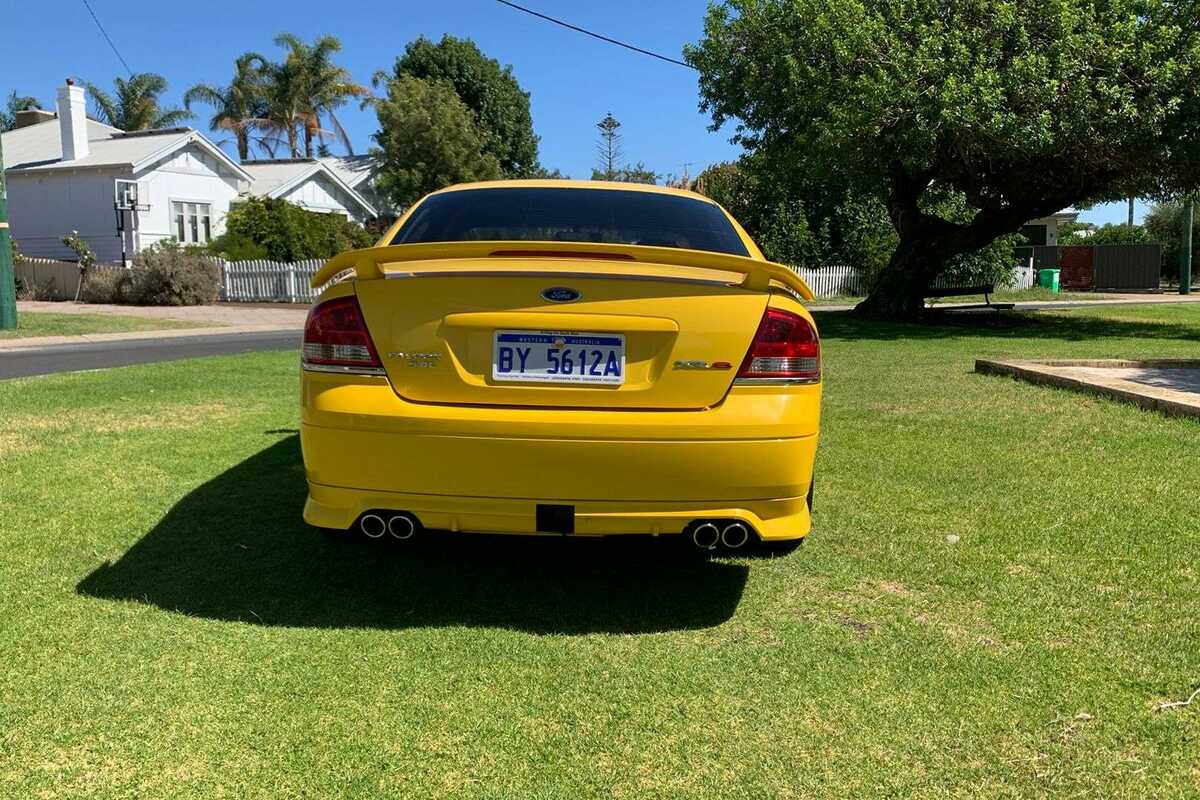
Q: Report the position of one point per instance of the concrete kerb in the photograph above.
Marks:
(1065, 374)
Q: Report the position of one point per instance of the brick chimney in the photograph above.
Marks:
(32, 116)
(72, 121)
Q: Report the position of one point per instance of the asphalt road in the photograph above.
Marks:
(101, 355)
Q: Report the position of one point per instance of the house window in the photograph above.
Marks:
(193, 222)
(1036, 235)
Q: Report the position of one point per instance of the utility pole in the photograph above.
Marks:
(8, 277)
(1185, 261)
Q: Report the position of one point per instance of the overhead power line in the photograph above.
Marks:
(595, 35)
(107, 38)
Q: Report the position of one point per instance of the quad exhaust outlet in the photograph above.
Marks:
(372, 526)
(375, 524)
(731, 534)
(735, 535)
(706, 535)
(401, 527)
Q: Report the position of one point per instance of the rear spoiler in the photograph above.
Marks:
(368, 263)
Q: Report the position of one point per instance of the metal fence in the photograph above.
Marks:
(274, 281)
(1128, 267)
(50, 279)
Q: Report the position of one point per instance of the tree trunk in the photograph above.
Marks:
(898, 291)
(243, 145)
(928, 242)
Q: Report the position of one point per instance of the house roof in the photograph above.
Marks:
(38, 148)
(1068, 214)
(276, 177)
(353, 170)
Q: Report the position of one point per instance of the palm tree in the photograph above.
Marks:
(306, 88)
(285, 109)
(238, 106)
(135, 107)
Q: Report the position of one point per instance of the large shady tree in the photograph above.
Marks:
(427, 140)
(490, 91)
(1019, 109)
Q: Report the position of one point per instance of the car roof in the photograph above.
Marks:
(559, 183)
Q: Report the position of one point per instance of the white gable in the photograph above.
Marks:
(319, 193)
(192, 160)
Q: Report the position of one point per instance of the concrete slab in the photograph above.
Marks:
(1168, 385)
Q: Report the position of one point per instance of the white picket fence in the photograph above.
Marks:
(838, 280)
(269, 281)
(1024, 276)
(275, 281)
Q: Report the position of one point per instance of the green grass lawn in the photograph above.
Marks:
(1001, 587)
(48, 323)
(1037, 294)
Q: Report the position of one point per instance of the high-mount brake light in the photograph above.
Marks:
(785, 350)
(336, 340)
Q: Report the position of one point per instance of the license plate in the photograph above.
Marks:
(553, 357)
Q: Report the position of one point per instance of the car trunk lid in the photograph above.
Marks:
(684, 329)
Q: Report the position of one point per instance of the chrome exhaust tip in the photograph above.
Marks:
(706, 535)
(372, 526)
(401, 527)
(735, 535)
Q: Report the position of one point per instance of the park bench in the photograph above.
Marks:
(984, 289)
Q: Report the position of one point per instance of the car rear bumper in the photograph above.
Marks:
(487, 469)
(338, 508)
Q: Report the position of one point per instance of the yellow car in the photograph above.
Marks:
(567, 358)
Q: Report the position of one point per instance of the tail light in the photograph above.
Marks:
(785, 350)
(336, 339)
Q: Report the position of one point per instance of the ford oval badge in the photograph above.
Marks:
(560, 294)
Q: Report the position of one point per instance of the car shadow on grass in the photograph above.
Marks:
(236, 549)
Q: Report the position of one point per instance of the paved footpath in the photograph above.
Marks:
(242, 329)
(250, 315)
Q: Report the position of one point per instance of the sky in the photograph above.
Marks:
(573, 80)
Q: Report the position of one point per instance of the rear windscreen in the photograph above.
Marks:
(608, 216)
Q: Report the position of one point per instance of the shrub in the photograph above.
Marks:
(107, 286)
(28, 290)
(86, 258)
(237, 248)
(286, 232)
(1164, 224)
(166, 274)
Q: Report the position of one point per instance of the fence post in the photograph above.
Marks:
(225, 280)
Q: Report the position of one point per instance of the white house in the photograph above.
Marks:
(62, 174)
(1044, 230)
(309, 183)
(360, 173)
(63, 171)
